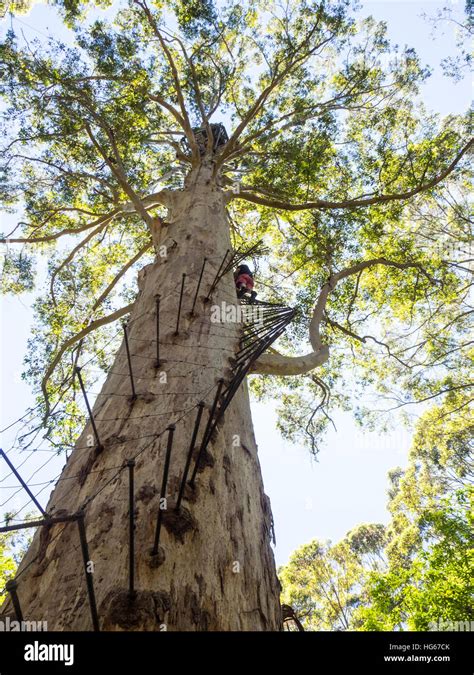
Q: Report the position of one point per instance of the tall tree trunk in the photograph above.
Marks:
(215, 569)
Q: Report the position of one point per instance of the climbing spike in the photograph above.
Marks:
(180, 303)
(89, 574)
(164, 482)
(91, 416)
(129, 360)
(11, 587)
(192, 446)
(206, 436)
(198, 286)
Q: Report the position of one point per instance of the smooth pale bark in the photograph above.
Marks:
(220, 573)
(278, 364)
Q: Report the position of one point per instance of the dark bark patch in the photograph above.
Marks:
(190, 494)
(86, 468)
(70, 577)
(40, 569)
(173, 484)
(157, 559)
(146, 493)
(200, 617)
(79, 602)
(146, 396)
(178, 523)
(227, 464)
(162, 605)
(207, 460)
(105, 525)
(221, 578)
(247, 450)
(215, 432)
(114, 440)
(201, 583)
(142, 611)
(43, 542)
(228, 372)
(235, 544)
(268, 530)
(183, 332)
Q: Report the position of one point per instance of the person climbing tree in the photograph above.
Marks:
(244, 282)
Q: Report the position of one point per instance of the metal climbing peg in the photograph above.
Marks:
(192, 446)
(91, 416)
(180, 303)
(130, 370)
(11, 587)
(131, 526)
(25, 486)
(198, 286)
(207, 435)
(80, 516)
(164, 482)
(157, 318)
(218, 276)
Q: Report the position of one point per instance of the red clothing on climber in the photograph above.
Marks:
(244, 282)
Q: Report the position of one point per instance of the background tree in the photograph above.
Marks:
(324, 582)
(330, 158)
(430, 554)
(414, 574)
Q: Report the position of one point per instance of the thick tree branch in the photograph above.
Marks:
(149, 202)
(276, 203)
(277, 364)
(67, 230)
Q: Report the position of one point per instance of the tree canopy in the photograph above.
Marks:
(331, 158)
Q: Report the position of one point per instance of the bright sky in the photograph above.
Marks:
(347, 485)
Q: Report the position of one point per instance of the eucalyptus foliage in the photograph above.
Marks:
(338, 165)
